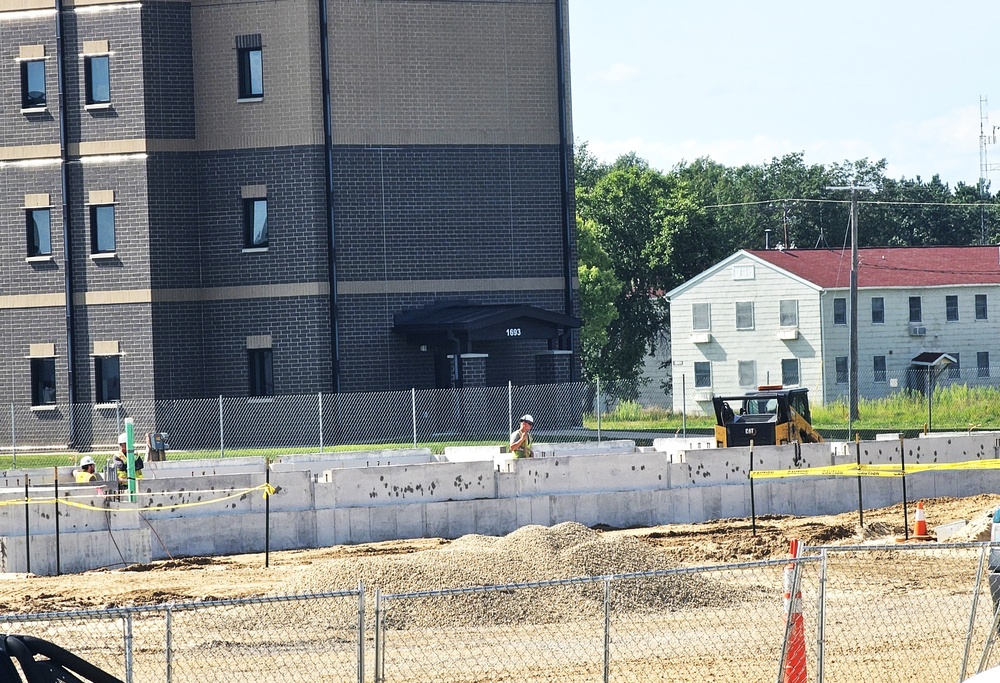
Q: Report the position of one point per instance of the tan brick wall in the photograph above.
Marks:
(447, 72)
(291, 111)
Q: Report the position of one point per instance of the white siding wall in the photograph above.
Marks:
(892, 339)
(728, 345)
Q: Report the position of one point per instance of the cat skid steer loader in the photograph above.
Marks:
(772, 415)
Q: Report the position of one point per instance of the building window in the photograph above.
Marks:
(747, 370)
(102, 229)
(916, 314)
(841, 369)
(981, 307)
(107, 379)
(955, 369)
(43, 381)
(878, 368)
(255, 223)
(33, 84)
(983, 364)
(744, 315)
(743, 272)
(789, 371)
(250, 58)
(840, 311)
(260, 372)
(701, 317)
(39, 232)
(788, 313)
(98, 79)
(878, 310)
(951, 308)
(702, 374)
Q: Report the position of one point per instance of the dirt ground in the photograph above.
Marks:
(712, 543)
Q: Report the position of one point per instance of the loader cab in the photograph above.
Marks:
(771, 415)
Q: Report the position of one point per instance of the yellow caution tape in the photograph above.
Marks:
(68, 500)
(881, 470)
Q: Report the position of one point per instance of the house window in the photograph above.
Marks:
(43, 381)
(39, 232)
(840, 363)
(702, 374)
(33, 84)
(983, 364)
(955, 369)
(255, 223)
(102, 229)
(743, 272)
(250, 64)
(878, 310)
(747, 370)
(981, 307)
(98, 79)
(951, 308)
(788, 313)
(789, 371)
(107, 379)
(916, 315)
(878, 368)
(840, 311)
(744, 315)
(701, 317)
(260, 372)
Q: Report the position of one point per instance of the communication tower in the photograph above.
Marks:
(987, 137)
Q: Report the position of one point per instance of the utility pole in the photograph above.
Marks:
(852, 384)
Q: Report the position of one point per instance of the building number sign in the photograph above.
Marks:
(513, 331)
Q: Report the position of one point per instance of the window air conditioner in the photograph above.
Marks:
(704, 395)
(701, 337)
(788, 333)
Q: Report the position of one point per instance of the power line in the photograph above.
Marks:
(870, 202)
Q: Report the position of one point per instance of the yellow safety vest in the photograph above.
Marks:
(83, 476)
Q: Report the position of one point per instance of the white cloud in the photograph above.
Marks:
(617, 73)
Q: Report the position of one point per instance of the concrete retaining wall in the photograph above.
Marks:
(218, 507)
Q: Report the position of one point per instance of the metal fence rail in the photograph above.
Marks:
(915, 613)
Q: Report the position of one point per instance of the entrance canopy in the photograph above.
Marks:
(446, 324)
(932, 359)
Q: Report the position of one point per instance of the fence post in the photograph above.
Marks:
(599, 401)
(510, 406)
(55, 512)
(321, 422)
(129, 661)
(27, 523)
(607, 630)
(118, 418)
(684, 412)
(413, 409)
(169, 645)
(13, 436)
(222, 436)
(379, 642)
(361, 632)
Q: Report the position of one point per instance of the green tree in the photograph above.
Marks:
(645, 222)
(599, 289)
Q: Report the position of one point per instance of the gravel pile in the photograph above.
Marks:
(529, 555)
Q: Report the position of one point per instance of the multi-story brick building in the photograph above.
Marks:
(245, 198)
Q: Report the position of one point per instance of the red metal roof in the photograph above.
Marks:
(890, 266)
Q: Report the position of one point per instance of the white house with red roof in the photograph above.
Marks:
(782, 317)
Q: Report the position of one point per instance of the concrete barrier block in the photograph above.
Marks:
(472, 453)
(417, 483)
(78, 552)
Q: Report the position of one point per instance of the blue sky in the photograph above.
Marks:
(742, 82)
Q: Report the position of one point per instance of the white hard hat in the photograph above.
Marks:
(86, 460)
(123, 438)
(527, 418)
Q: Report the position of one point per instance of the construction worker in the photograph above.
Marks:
(87, 471)
(520, 440)
(121, 462)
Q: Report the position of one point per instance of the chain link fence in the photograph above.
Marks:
(960, 399)
(909, 612)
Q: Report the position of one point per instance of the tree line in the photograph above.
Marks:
(641, 232)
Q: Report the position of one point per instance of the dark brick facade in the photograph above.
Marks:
(181, 294)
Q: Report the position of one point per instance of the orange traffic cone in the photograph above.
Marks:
(795, 633)
(920, 524)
